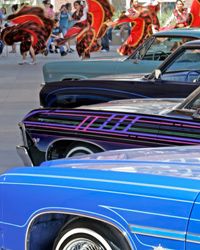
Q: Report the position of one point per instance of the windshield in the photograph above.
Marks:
(159, 48)
(194, 104)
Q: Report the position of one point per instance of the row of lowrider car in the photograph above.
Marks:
(57, 131)
(137, 198)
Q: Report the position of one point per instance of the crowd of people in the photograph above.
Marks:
(75, 21)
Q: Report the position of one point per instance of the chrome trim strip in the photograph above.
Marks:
(158, 232)
(193, 238)
(165, 233)
(23, 130)
(24, 156)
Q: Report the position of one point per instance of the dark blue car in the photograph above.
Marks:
(177, 77)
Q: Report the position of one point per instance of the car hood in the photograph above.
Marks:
(181, 161)
(57, 64)
(145, 106)
(163, 154)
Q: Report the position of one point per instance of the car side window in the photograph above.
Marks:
(185, 67)
(162, 47)
(141, 51)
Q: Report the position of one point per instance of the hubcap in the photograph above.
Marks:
(78, 151)
(83, 244)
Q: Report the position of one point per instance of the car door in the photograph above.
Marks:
(178, 76)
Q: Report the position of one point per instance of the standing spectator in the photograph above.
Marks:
(1, 43)
(1, 17)
(65, 20)
(105, 43)
(109, 32)
(71, 22)
(179, 17)
(123, 27)
(3, 13)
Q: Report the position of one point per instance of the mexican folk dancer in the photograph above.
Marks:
(183, 17)
(90, 25)
(30, 27)
(193, 18)
(144, 22)
(179, 17)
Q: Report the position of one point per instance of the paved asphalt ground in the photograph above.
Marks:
(19, 93)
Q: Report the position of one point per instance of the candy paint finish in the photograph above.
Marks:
(105, 191)
(109, 130)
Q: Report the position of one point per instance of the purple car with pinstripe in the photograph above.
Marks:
(57, 133)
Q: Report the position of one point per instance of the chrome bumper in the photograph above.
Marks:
(23, 154)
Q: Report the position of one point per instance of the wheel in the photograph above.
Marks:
(82, 238)
(80, 148)
(88, 236)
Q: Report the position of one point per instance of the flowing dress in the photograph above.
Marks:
(31, 28)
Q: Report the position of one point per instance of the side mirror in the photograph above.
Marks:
(196, 115)
(157, 73)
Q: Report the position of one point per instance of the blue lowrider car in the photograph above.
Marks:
(145, 58)
(132, 203)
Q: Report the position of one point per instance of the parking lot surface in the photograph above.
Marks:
(19, 93)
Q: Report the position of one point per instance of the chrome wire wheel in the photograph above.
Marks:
(78, 151)
(81, 239)
(83, 244)
(81, 148)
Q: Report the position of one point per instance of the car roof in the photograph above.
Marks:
(195, 43)
(188, 32)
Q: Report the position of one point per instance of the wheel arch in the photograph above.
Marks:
(67, 219)
(66, 142)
